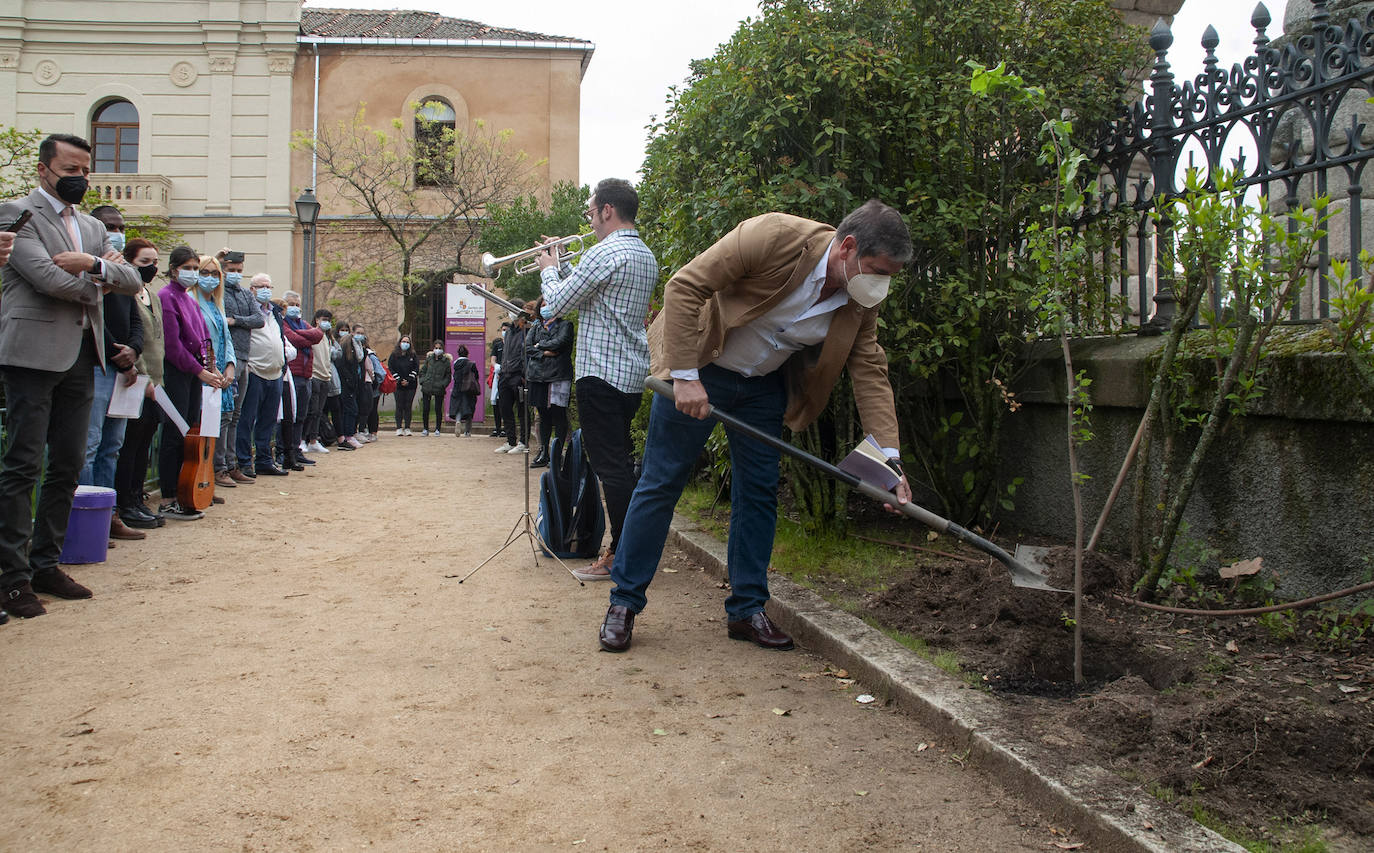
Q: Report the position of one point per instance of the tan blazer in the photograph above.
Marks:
(41, 305)
(746, 274)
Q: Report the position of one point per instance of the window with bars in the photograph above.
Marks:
(114, 131)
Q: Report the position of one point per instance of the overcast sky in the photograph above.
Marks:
(643, 48)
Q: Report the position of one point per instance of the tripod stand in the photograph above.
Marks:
(524, 525)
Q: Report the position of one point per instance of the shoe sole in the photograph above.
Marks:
(607, 647)
(583, 576)
(745, 638)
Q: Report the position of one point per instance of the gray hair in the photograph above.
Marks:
(291, 294)
(878, 230)
(262, 279)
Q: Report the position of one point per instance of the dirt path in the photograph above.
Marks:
(295, 672)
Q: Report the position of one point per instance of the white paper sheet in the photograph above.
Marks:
(210, 399)
(165, 403)
(127, 401)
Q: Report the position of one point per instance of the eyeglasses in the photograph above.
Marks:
(587, 216)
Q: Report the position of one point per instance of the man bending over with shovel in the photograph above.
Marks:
(759, 326)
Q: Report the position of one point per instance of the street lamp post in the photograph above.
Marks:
(308, 211)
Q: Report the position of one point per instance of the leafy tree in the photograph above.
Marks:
(520, 225)
(18, 161)
(416, 214)
(820, 104)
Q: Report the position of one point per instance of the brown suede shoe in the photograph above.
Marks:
(59, 583)
(21, 602)
(617, 628)
(120, 530)
(239, 477)
(760, 630)
(597, 571)
(222, 479)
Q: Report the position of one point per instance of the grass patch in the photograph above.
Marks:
(1295, 838)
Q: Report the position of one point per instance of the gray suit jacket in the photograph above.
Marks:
(41, 305)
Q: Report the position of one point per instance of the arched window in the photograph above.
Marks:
(435, 123)
(115, 131)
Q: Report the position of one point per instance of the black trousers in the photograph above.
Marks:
(46, 409)
(606, 414)
(510, 410)
(131, 469)
(405, 401)
(438, 400)
(184, 390)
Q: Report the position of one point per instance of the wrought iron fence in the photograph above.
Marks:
(1290, 119)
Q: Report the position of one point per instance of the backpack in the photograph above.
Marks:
(467, 382)
(388, 381)
(570, 520)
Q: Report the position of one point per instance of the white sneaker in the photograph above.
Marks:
(316, 447)
(408, 432)
(519, 448)
(424, 432)
(304, 449)
(505, 448)
(400, 432)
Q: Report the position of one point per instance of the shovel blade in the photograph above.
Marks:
(1030, 568)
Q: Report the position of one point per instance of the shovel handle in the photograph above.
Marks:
(1021, 574)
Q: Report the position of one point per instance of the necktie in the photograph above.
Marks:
(69, 219)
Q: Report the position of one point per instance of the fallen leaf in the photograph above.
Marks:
(1065, 845)
(1346, 688)
(840, 673)
(782, 712)
(1232, 647)
(660, 731)
(1242, 567)
(579, 841)
(861, 793)
(864, 699)
(931, 536)
(922, 747)
(844, 681)
(669, 571)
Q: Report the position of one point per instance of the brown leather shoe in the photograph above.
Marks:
(239, 477)
(21, 602)
(617, 628)
(222, 478)
(59, 583)
(120, 530)
(760, 630)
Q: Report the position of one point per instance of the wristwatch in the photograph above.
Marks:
(896, 465)
(95, 266)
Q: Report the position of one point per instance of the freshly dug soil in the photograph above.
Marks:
(1263, 733)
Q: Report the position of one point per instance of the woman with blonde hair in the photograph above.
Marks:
(210, 298)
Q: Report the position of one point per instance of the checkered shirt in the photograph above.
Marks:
(610, 289)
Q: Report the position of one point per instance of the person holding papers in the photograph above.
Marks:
(131, 468)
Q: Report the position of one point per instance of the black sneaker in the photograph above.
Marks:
(176, 511)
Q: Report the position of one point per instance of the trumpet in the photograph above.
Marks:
(491, 263)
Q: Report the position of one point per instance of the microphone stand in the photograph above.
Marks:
(524, 525)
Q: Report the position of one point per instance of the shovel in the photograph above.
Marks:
(1021, 574)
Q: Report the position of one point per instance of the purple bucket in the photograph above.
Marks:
(88, 527)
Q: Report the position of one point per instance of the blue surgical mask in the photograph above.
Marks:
(405, 346)
(233, 278)
(117, 240)
(325, 325)
(264, 294)
(546, 312)
(293, 311)
(187, 278)
(207, 283)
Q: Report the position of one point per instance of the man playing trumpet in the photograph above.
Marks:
(610, 289)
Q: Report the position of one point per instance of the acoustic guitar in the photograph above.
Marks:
(196, 483)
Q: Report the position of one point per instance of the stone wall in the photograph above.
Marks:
(1290, 483)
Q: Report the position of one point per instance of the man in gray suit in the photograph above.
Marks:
(52, 338)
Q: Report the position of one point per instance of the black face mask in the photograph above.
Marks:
(148, 273)
(72, 188)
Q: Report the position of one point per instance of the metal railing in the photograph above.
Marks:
(1290, 119)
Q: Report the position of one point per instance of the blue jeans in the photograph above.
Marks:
(105, 435)
(671, 449)
(258, 421)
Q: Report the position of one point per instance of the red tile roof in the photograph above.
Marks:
(369, 23)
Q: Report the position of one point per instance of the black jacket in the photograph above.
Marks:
(123, 325)
(405, 367)
(513, 356)
(557, 338)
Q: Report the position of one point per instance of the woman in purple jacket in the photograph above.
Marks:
(185, 370)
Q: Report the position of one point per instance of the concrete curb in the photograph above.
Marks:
(1103, 808)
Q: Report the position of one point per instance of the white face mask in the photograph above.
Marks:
(867, 289)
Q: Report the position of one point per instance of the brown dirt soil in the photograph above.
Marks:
(298, 671)
(1262, 733)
